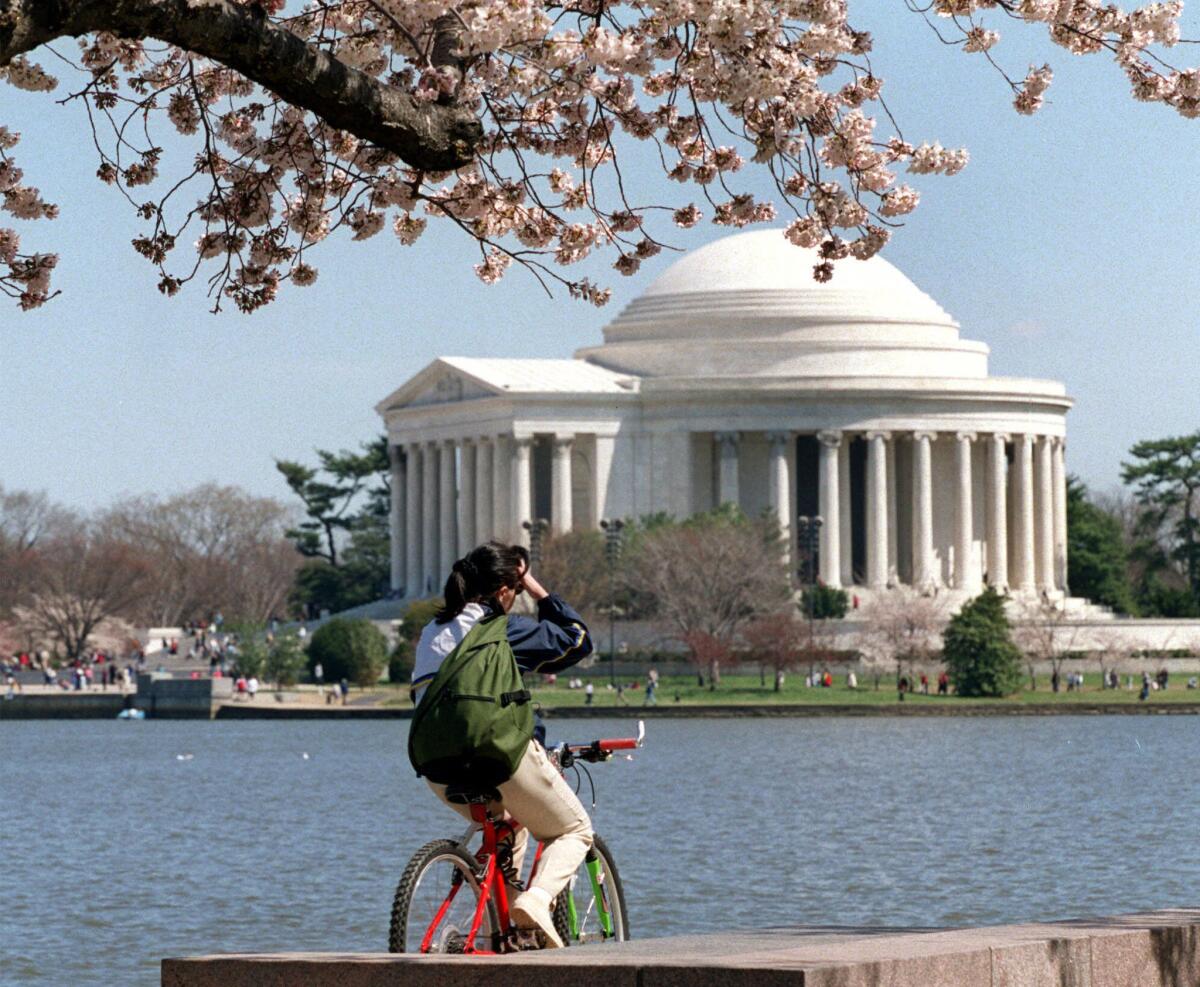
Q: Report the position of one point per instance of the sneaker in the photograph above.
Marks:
(531, 910)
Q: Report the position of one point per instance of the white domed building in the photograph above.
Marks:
(735, 377)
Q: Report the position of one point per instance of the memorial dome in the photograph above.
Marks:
(748, 305)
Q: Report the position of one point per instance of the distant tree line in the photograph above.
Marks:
(146, 560)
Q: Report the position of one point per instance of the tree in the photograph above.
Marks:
(1165, 474)
(25, 519)
(212, 548)
(575, 565)
(825, 602)
(328, 502)
(347, 501)
(79, 576)
(1097, 556)
(778, 641)
(978, 649)
(349, 649)
(285, 661)
(1045, 633)
(512, 121)
(901, 625)
(708, 576)
(416, 616)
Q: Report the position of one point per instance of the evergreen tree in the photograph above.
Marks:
(1097, 558)
(979, 652)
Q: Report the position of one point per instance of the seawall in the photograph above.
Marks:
(1157, 949)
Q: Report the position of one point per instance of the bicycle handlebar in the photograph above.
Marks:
(602, 750)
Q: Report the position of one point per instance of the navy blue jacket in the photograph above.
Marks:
(556, 639)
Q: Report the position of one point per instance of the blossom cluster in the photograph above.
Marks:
(716, 89)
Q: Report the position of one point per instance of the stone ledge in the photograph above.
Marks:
(1157, 949)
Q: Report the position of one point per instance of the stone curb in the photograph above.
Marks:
(1158, 949)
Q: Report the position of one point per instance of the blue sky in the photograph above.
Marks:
(1069, 245)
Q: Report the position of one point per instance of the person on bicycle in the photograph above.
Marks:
(488, 580)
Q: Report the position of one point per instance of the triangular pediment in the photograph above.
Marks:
(438, 383)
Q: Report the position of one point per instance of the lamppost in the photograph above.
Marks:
(809, 531)
(613, 537)
(536, 528)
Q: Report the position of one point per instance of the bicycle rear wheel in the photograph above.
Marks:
(592, 907)
(435, 903)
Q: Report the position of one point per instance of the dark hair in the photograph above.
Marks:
(479, 575)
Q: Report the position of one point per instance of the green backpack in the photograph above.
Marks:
(475, 720)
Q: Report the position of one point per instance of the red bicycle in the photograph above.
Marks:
(451, 899)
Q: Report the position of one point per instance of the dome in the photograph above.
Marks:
(747, 304)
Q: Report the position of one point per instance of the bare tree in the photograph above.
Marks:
(710, 576)
(902, 626)
(779, 641)
(575, 565)
(1044, 633)
(214, 547)
(25, 519)
(79, 576)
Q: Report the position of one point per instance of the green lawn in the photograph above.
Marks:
(746, 689)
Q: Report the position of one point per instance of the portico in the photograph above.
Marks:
(737, 379)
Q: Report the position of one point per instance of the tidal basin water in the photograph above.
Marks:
(117, 852)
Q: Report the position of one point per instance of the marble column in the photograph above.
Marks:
(1024, 578)
(467, 538)
(727, 451)
(522, 488)
(1043, 469)
(845, 514)
(922, 519)
(997, 511)
(877, 509)
(414, 583)
(779, 488)
(893, 515)
(606, 447)
(447, 513)
(829, 504)
(396, 530)
(966, 568)
(1059, 469)
(484, 494)
(561, 519)
(431, 508)
(502, 510)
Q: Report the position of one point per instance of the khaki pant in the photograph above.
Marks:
(539, 798)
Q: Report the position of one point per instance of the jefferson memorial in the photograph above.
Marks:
(735, 377)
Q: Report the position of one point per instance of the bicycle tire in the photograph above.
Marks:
(400, 935)
(581, 887)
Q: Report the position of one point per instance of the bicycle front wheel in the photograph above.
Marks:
(436, 901)
(592, 907)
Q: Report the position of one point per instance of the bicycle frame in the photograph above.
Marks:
(492, 886)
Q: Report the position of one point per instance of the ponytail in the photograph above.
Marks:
(479, 575)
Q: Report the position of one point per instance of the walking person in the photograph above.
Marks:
(589, 693)
(651, 689)
(482, 587)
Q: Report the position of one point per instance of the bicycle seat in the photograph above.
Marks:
(463, 795)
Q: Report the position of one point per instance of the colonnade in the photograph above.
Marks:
(1032, 492)
(449, 495)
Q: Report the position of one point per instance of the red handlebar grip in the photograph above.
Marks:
(626, 744)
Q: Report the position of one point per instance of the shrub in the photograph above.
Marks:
(349, 649)
(827, 602)
(400, 661)
(285, 660)
(251, 657)
(979, 652)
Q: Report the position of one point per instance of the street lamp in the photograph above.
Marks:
(536, 528)
(809, 530)
(613, 538)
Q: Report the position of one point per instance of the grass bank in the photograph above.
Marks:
(742, 689)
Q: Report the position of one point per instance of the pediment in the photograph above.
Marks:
(438, 383)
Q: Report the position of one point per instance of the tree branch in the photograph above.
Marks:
(427, 136)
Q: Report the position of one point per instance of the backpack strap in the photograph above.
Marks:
(520, 698)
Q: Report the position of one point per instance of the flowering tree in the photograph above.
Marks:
(509, 118)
